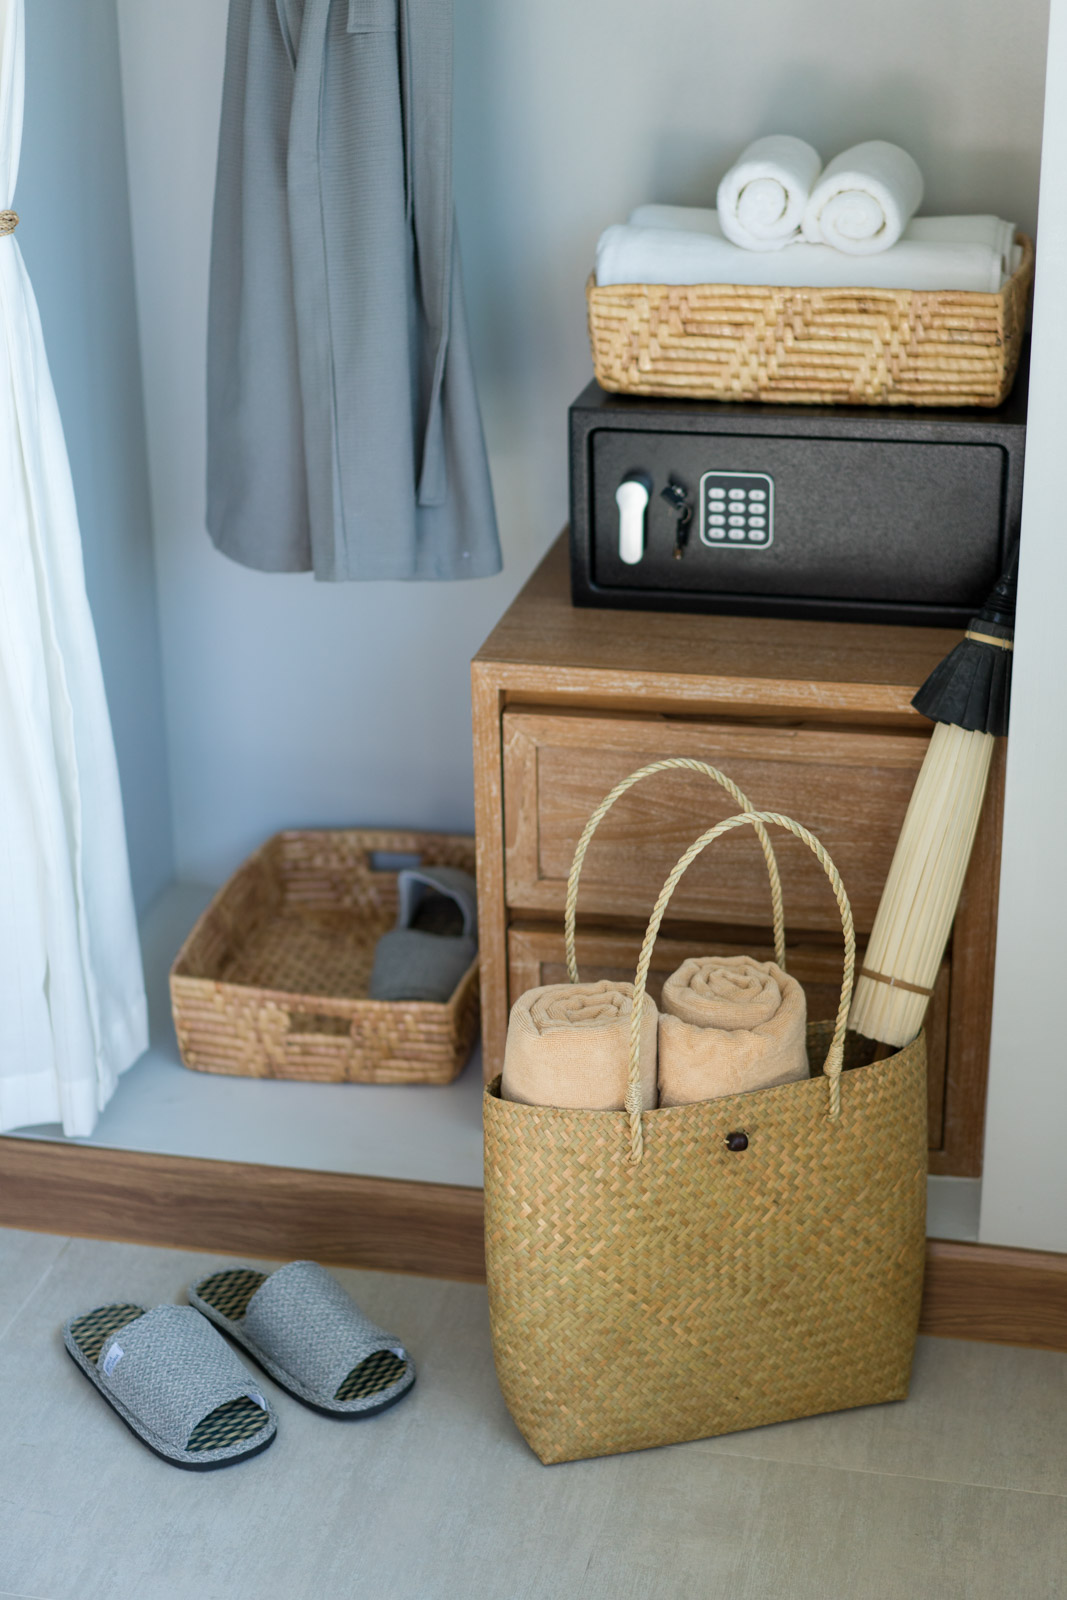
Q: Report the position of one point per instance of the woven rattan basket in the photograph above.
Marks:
(272, 981)
(869, 347)
(653, 1279)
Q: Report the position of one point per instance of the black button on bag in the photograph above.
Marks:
(737, 1141)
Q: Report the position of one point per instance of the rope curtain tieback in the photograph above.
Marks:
(9, 221)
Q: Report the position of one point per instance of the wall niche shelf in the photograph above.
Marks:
(389, 1177)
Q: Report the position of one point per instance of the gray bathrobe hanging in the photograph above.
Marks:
(343, 425)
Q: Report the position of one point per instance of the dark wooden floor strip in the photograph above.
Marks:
(980, 1291)
(236, 1208)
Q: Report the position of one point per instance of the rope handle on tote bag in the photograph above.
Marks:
(620, 789)
(835, 1055)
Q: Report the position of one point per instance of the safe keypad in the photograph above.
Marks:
(737, 510)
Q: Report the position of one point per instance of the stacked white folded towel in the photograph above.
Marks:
(687, 245)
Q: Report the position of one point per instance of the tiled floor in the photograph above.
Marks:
(960, 1493)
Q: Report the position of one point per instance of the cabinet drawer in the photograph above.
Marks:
(849, 786)
(536, 956)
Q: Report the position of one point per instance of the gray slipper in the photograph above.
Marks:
(309, 1335)
(435, 938)
(174, 1382)
(440, 900)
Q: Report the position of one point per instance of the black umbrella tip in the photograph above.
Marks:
(1000, 604)
(971, 688)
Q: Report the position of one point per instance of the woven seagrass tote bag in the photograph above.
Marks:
(655, 1278)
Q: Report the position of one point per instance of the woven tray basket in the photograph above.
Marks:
(272, 981)
(869, 347)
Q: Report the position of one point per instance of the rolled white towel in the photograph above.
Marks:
(761, 199)
(568, 1045)
(865, 199)
(730, 1024)
(685, 245)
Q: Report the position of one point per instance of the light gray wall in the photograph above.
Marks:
(571, 112)
(290, 702)
(75, 237)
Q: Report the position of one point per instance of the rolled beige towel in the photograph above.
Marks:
(569, 1045)
(730, 1024)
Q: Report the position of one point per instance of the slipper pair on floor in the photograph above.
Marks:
(181, 1388)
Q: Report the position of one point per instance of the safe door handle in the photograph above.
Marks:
(631, 497)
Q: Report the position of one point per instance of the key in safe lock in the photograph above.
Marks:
(632, 497)
(736, 512)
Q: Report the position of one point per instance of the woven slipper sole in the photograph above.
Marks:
(230, 1292)
(84, 1337)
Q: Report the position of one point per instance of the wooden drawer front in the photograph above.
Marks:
(536, 956)
(850, 787)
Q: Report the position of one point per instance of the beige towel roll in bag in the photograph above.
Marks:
(569, 1045)
(730, 1024)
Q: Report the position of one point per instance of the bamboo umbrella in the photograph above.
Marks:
(967, 696)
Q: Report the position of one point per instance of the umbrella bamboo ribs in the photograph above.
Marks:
(968, 696)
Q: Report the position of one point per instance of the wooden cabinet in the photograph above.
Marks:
(849, 786)
(812, 719)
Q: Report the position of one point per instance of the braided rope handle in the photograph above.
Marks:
(777, 911)
(836, 1053)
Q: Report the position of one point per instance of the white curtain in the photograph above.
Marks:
(72, 1003)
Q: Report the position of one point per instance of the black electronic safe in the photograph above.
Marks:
(831, 512)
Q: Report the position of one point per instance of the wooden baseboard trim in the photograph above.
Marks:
(236, 1208)
(988, 1292)
(434, 1229)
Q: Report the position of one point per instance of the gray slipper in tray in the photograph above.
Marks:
(179, 1387)
(435, 938)
(309, 1335)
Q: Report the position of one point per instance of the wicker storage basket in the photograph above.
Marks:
(870, 347)
(655, 1278)
(272, 981)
